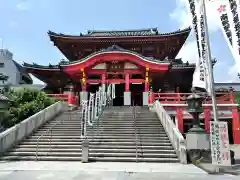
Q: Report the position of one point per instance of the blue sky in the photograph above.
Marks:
(24, 26)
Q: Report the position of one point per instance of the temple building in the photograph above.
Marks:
(135, 60)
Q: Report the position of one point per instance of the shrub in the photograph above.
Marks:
(25, 103)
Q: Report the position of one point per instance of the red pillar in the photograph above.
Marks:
(146, 87)
(103, 78)
(180, 122)
(235, 121)
(84, 85)
(207, 118)
(71, 96)
(127, 82)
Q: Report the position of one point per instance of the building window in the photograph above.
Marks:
(1, 65)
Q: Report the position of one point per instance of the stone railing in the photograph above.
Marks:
(172, 131)
(15, 134)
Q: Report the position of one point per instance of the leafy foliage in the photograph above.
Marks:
(237, 99)
(24, 103)
(3, 77)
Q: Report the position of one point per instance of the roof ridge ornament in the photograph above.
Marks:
(115, 48)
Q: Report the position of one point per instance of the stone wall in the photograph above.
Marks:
(15, 134)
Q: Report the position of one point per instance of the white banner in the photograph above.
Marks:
(229, 23)
(84, 118)
(91, 109)
(220, 143)
(200, 76)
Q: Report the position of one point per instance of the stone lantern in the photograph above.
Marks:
(195, 108)
(196, 138)
(4, 105)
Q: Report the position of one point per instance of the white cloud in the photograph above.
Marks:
(36, 80)
(184, 18)
(182, 15)
(23, 5)
(189, 52)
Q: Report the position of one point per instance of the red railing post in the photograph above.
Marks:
(235, 119)
(179, 113)
(207, 118)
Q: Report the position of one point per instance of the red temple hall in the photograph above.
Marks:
(135, 60)
(143, 66)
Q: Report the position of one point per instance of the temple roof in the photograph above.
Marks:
(144, 41)
(118, 33)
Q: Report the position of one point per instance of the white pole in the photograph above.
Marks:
(209, 64)
(1, 43)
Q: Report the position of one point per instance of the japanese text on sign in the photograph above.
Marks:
(220, 144)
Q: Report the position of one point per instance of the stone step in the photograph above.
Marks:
(98, 140)
(92, 150)
(56, 129)
(94, 143)
(74, 129)
(97, 146)
(99, 159)
(108, 124)
(109, 133)
(132, 125)
(150, 134)
(79, 154)
(96, 137)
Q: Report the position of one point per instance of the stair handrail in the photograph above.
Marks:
(176, 138)
(93, 108)
(49, 130)
(135, 130)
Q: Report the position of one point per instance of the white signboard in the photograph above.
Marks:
(220, 144)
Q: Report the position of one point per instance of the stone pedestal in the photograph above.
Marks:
(197, 138)
(127, 98)
(83, 95)
(85, 150)
(145, 98)
(198, 144)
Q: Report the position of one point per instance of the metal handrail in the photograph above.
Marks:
(135, 130)
(108, 104)
(96, 121)
(47, 132)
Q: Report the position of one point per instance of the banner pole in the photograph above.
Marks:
(209, 64)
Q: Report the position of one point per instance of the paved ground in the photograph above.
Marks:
(102, 171)
(236, 149)
(106, 175)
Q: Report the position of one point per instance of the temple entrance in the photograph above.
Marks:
(92, 88)
(119, 93)
(137, 94)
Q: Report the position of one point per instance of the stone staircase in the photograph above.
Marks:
(114, 139)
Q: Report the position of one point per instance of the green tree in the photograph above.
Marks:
(3, 78)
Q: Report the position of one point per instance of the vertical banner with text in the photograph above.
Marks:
(220, 143)
(227, 11)
(200, 76)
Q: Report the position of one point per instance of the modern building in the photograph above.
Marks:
(14, 71)
(228, 85)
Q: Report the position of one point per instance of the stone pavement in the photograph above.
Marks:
(102, 171)
(236, 149)
(106, 175)
(99, 166)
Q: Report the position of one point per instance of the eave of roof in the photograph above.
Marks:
(116, 34)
